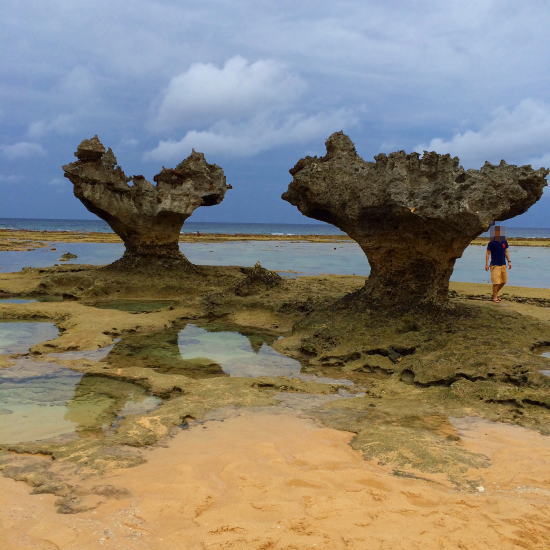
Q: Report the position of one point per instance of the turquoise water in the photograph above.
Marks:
(42, 399)
(531, 264)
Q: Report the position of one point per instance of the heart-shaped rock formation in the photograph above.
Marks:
(147, 217)
(413, 216)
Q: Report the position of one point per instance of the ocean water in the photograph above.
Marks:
(100, 226)
(531, 265)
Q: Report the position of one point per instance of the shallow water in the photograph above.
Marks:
(236, 354)
(531, 264)
(546, 354)
(19, 336)
(203, 351)
(28, 300)
(208, 350)
(42, 399)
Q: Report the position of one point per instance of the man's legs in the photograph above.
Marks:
(496, 290)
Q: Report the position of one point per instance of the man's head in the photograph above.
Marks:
(497, 232)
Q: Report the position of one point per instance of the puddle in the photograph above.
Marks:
(207, 350)
(134, 306)
(544, 351)
(28, 299)
(235, 353)
(201, 352)
(19, 336)
(93, 355)
(41, 400)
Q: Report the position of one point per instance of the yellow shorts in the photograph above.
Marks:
(499, 274)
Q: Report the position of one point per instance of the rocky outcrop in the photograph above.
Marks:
(413, 216)
(147, 217)
(258, 279)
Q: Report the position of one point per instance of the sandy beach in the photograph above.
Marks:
(267, 479)
(348, 455)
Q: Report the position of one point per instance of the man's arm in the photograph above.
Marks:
(508, 259)
(487, 256)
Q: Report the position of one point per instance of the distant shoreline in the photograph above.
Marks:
(15, 239)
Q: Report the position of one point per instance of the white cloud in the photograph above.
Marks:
(518, 135)
(61, 124)
(255, 135)
(129, 142)
(205, 93)
(22, 149)
(240, 109)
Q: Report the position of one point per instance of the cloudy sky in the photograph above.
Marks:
(257, 84)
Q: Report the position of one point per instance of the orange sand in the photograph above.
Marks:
(263, 481)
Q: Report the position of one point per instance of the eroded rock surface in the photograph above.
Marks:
(413, 216)
(148, 218)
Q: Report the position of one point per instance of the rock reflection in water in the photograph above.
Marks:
(201, 352)
(34, 397)
(159, 350)
(237, 354)
(99, 401)
(43, 400)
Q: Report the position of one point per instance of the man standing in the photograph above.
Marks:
(497, 250)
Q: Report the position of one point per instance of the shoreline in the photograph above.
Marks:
(16, 239)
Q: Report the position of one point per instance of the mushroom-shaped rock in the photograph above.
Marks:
(413, 216)
(147, 217)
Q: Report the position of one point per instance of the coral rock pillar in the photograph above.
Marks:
(147, 217)
(413, 216)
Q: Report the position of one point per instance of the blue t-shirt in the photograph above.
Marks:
(498, 251)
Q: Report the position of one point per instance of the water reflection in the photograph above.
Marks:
(19, 336)
(545, 352)
(41, 400)
(203, 351)
(99, 401)
(237, 354)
